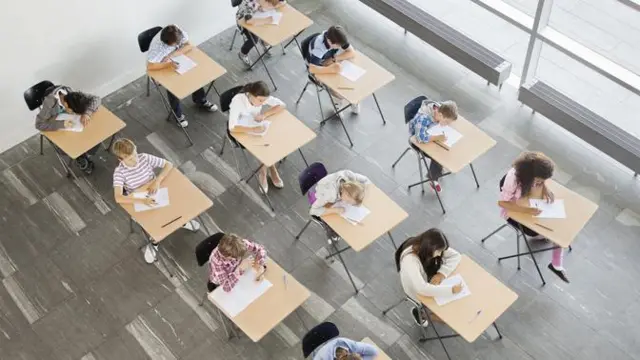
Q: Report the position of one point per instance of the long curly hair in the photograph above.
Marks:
(529, 166)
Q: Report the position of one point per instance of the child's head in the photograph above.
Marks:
(352, 192)
(171, 35)
(232, 246)
(344, 354)
(532, 169)
(76, 102)
(267, 4)
(427, 246)
(446, 113)
(337, 37)
(124, 149)
(258, 92)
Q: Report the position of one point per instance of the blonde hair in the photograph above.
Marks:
(354, 189)
(342, 354)
(232, 245)
(448, 109)
(123, 148)
(273, 2)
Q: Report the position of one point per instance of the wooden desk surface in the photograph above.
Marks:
(184, 85)
(473, 143)
(270, 309)
(292, 22)
(488, 294)
(381, 354)
(103, 125)
(286, 134)
(385, 215)
(578, 209)
(185, 200)
(375, 78)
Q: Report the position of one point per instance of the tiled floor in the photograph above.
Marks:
(75, 285)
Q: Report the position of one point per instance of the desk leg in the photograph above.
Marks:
(301, 321)
(438, 335)
(254, 174)
(529, 252)
(167, 106)
(384, 122)
(206, 229)
(158, 249)
(337, 113)
(261, 59)
(430, 179)
(474, 175)
(335, 247)
(41, 144)
(66, 167)
(108, 148)
(392, 242)
(303, 159)
(497, 330)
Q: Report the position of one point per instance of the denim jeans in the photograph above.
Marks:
(198, 97)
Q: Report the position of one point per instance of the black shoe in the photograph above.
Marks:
(560, 273)
(85, 165)
(416, 318)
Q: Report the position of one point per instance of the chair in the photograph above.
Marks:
(234, 4)
(225, 105)
(34, 96)
(317, 336)
(311, 79)
(410, 111)
(144, 41)
(308, 179)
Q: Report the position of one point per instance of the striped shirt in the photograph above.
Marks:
(131, 178)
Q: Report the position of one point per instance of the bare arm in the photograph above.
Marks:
(350, 53)
(513, 206)
(259, 22)
(331, 69)
(159, 66)
(166, 169)
(121, 198)
(180, 51)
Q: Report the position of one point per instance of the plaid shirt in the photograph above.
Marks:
(421, 123)
(247, 8)
(225, 271)
(158, 51)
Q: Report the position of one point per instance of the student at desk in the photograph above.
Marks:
(526, 179)
(432, 113)
(325, 53)
(343, 185)
(248, 103)
(169, 42)
(341, 348)
(136, 172)
(246, 10)
(423, 262)
(60, 100)
(226, 264)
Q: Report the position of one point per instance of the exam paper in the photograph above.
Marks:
(554, 210)
(246, 291)
(262, 133)
(452, 134)
(353, 214)
(161, 197)
(276, 16)
(351, 71)
(184, 63)
(451, 281)
(247, 120)
(75, 118)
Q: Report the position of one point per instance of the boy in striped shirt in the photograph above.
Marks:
(136, 172)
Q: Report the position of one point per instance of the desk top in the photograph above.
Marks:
(185, 201)
(578, 209)
(381, 354)
(292, 22)
(375, 78)
(473, 143)
(488, 294)
(286, 134)
(270, 309)
(385, 215)
(103, 124)
(184, 85)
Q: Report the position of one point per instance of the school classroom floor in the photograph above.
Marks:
(75, 285)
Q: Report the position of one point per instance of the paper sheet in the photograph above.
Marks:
(75, 118)
(353, 214)
(451, 281)
(246, 291)
(554, 210)
(276, 16)
(262, 133)
(246, 120)
(161, 197)
(351, 71)
(452, 134)
(184, 63)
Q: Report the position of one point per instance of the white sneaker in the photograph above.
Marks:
(192, 226)
(150, 254)
(182, 120)
(209, 106)
(245, 59)
(355, 108)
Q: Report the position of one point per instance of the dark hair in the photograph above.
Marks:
(258, 88)
(337, 35)
(78, 102)
(529, 166)
(170, 35)
(424, 245)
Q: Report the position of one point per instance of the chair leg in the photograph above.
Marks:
(384, 312)
(303, 229)
(233, 40)
(41, 145)
(320, 102)
(493, 233)
(401, 156)
(302, 93)
(148, 86)
(224, 143)
(204, 297)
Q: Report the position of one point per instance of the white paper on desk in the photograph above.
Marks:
(75, 118)
(264, 132)
(275, 16)
(353, 214)
(246, 120)
(184, 63)
(451, 281)
(246, 291)
(452, 134)
(554, 210)
(161, 197)
(351, 71)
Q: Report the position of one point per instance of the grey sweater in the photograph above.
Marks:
(46, 118)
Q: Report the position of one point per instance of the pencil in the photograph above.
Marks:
(441, 145)
(544, 227)
(172, 221)
(345, 88)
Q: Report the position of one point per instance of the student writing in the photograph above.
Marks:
(341, 348)
(343, 185)
(246, 11)
(226, 264)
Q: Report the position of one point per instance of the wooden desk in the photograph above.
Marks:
(381, 354)
(292, 23)
(488, 294)
(186, 200)
(286, 134)
(578, 209)
(103, 124)
(385, 215)
(269, 310)
(205, 72)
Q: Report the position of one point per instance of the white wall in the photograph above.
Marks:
(88, 45)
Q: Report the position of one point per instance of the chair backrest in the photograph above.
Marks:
(227, 96)
(34, 95)
(412, 107)
(236, 3)
(317, 336)
(145, 37)
(305, 46)
(502, 182)
(310, 176)
(206, 246)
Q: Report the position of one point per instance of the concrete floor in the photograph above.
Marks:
(75, 285)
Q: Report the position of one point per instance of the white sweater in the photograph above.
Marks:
(328, 189)
(414, 279)
(241, 106)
